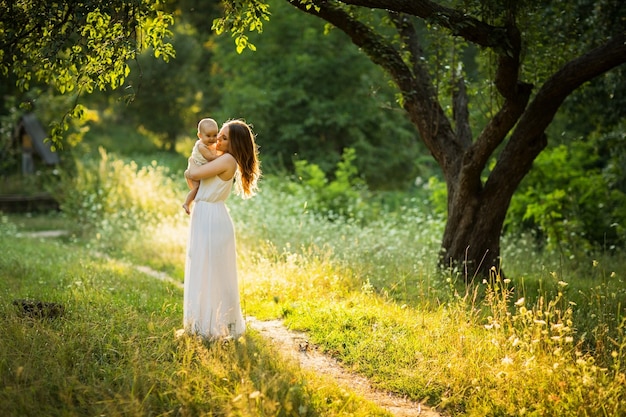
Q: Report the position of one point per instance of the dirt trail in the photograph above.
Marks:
(296, 346)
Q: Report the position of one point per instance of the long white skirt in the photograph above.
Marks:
(211, 297)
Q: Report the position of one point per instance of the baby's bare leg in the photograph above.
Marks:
(194, 185)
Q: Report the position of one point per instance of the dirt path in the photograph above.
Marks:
(296, 346)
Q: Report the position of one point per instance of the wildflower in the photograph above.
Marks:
(507, 361)
(520, 302)
(528, 362)
(553, 397)
(595, 263)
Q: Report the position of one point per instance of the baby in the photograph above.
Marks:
(203, 152)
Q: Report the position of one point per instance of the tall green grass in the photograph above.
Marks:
(113, 351)
(469, 355)
(367, 289)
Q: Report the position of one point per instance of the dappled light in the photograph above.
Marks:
(439, 228)
(371, 300)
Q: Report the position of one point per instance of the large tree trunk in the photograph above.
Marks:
(476, 209)
(471, 239)
(476, 214)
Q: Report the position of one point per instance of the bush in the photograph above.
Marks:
(568, 201)
(109, 197)
(341, 196)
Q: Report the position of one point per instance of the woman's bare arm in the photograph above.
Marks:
(224, 166)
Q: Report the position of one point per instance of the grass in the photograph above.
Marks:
(549, 342)
(467, 356)
(113, 351)
(35, 222)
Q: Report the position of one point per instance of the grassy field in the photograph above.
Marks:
(548, 340)
(112, 350)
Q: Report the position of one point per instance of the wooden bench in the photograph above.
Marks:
(15, 203)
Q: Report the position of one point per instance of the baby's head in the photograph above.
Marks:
(207, 131)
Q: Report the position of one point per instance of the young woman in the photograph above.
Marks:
(211, 296)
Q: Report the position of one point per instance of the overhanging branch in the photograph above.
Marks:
(459, 23)
(528, 138)
(416, 87)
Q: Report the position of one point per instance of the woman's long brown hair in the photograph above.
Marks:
(245, 151)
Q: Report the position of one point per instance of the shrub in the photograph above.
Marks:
(109, 197)
(340, 196)
(570, 202)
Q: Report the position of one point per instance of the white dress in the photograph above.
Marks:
(211, 297)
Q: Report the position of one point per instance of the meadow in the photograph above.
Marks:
(363, 283)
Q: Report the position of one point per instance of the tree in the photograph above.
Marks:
(311, 101)
(528, 93)
(78, 46)
(173, 90)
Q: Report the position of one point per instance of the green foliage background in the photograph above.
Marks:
(341, 242)
(313, 98)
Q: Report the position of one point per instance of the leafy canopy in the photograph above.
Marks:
(78, 46)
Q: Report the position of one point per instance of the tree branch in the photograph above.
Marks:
(416, 87)
(461, 113)
(461, 24)
(529, 138)
(423, 81)
(411, 42)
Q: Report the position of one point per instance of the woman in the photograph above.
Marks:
(211, 296)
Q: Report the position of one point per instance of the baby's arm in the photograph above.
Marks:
(208, 153)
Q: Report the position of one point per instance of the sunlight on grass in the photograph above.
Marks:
(113, 350)
(547, 340)
(470, 354)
